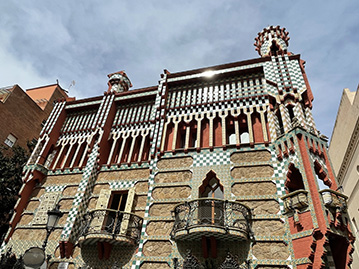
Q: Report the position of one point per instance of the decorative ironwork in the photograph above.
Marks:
(231, 262)
(113, 223)
(191, 262)
(212, 212)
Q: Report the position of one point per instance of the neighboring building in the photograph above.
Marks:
(217, 167)
(23, 113)
(344, 153)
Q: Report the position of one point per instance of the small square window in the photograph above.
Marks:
(10, 140)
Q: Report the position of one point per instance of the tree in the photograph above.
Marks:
(12, 161)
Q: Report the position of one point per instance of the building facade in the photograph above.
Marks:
(344, 154)
(23, 113)
(219, 167)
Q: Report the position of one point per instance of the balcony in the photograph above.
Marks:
(219, 218)
(111, 226)
(296, 200)
(334, 200)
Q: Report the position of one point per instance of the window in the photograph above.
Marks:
(294, 179)
(210, 210)
(118, 201)
(10, 140)
(119, 207)
(232, 139)
(244, 138)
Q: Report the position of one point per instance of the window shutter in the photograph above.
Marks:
(128, 209)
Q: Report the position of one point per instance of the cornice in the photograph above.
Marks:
(348, 156)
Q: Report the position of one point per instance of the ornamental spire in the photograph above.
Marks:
(118, 82)
(272, 41)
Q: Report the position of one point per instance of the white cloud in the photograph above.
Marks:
(84, 41)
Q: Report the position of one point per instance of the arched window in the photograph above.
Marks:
(230, 131)
(232, 139)
(290, 109)
(321, 177)
(294, 180)
(280, 122)
(210, 210)
(211, 188)
(244, 138)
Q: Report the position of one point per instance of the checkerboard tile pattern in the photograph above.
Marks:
(285, 118)
(53, 188)
(156, 134)
(116, 185)
(71, 228)
(298, 113)
(272, 125)
(280, 171)
(310, 120)
(296, 74)
(217, 157)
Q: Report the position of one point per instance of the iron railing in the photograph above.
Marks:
(191, 262)
(113, 223)
(212, 212)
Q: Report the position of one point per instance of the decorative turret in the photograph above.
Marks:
(118, 82)
(272, 41)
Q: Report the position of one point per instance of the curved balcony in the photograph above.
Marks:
(209, 216)
(114, 227)
(295, 200)
(333, 199)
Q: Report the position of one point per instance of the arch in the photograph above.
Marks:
(211, 187)
(181, 135)
(193, 134)
(243, 129)
(257, 127)
(294, 179)
(280, 122)
(290, 109)
(321, 176)
(230, 131)
(274, 48)
(210, 210)
(205, 133)
(169, 137)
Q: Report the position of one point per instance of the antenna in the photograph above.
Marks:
(72, 84)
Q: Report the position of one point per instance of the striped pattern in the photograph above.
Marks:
(133, 113)
(247, 87)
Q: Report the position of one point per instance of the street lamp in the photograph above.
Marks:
(34, 257)
(53, 217)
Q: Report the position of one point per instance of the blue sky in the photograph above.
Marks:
(85, 40)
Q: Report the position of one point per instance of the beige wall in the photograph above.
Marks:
(346, 118)
(345, 125)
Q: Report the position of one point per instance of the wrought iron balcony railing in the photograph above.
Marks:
(295, 200)
(212, 213)
(112, 224)
(334, 199)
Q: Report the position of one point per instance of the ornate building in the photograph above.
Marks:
(218, 167)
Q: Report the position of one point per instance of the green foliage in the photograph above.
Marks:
(12, 161)
(9, 261)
